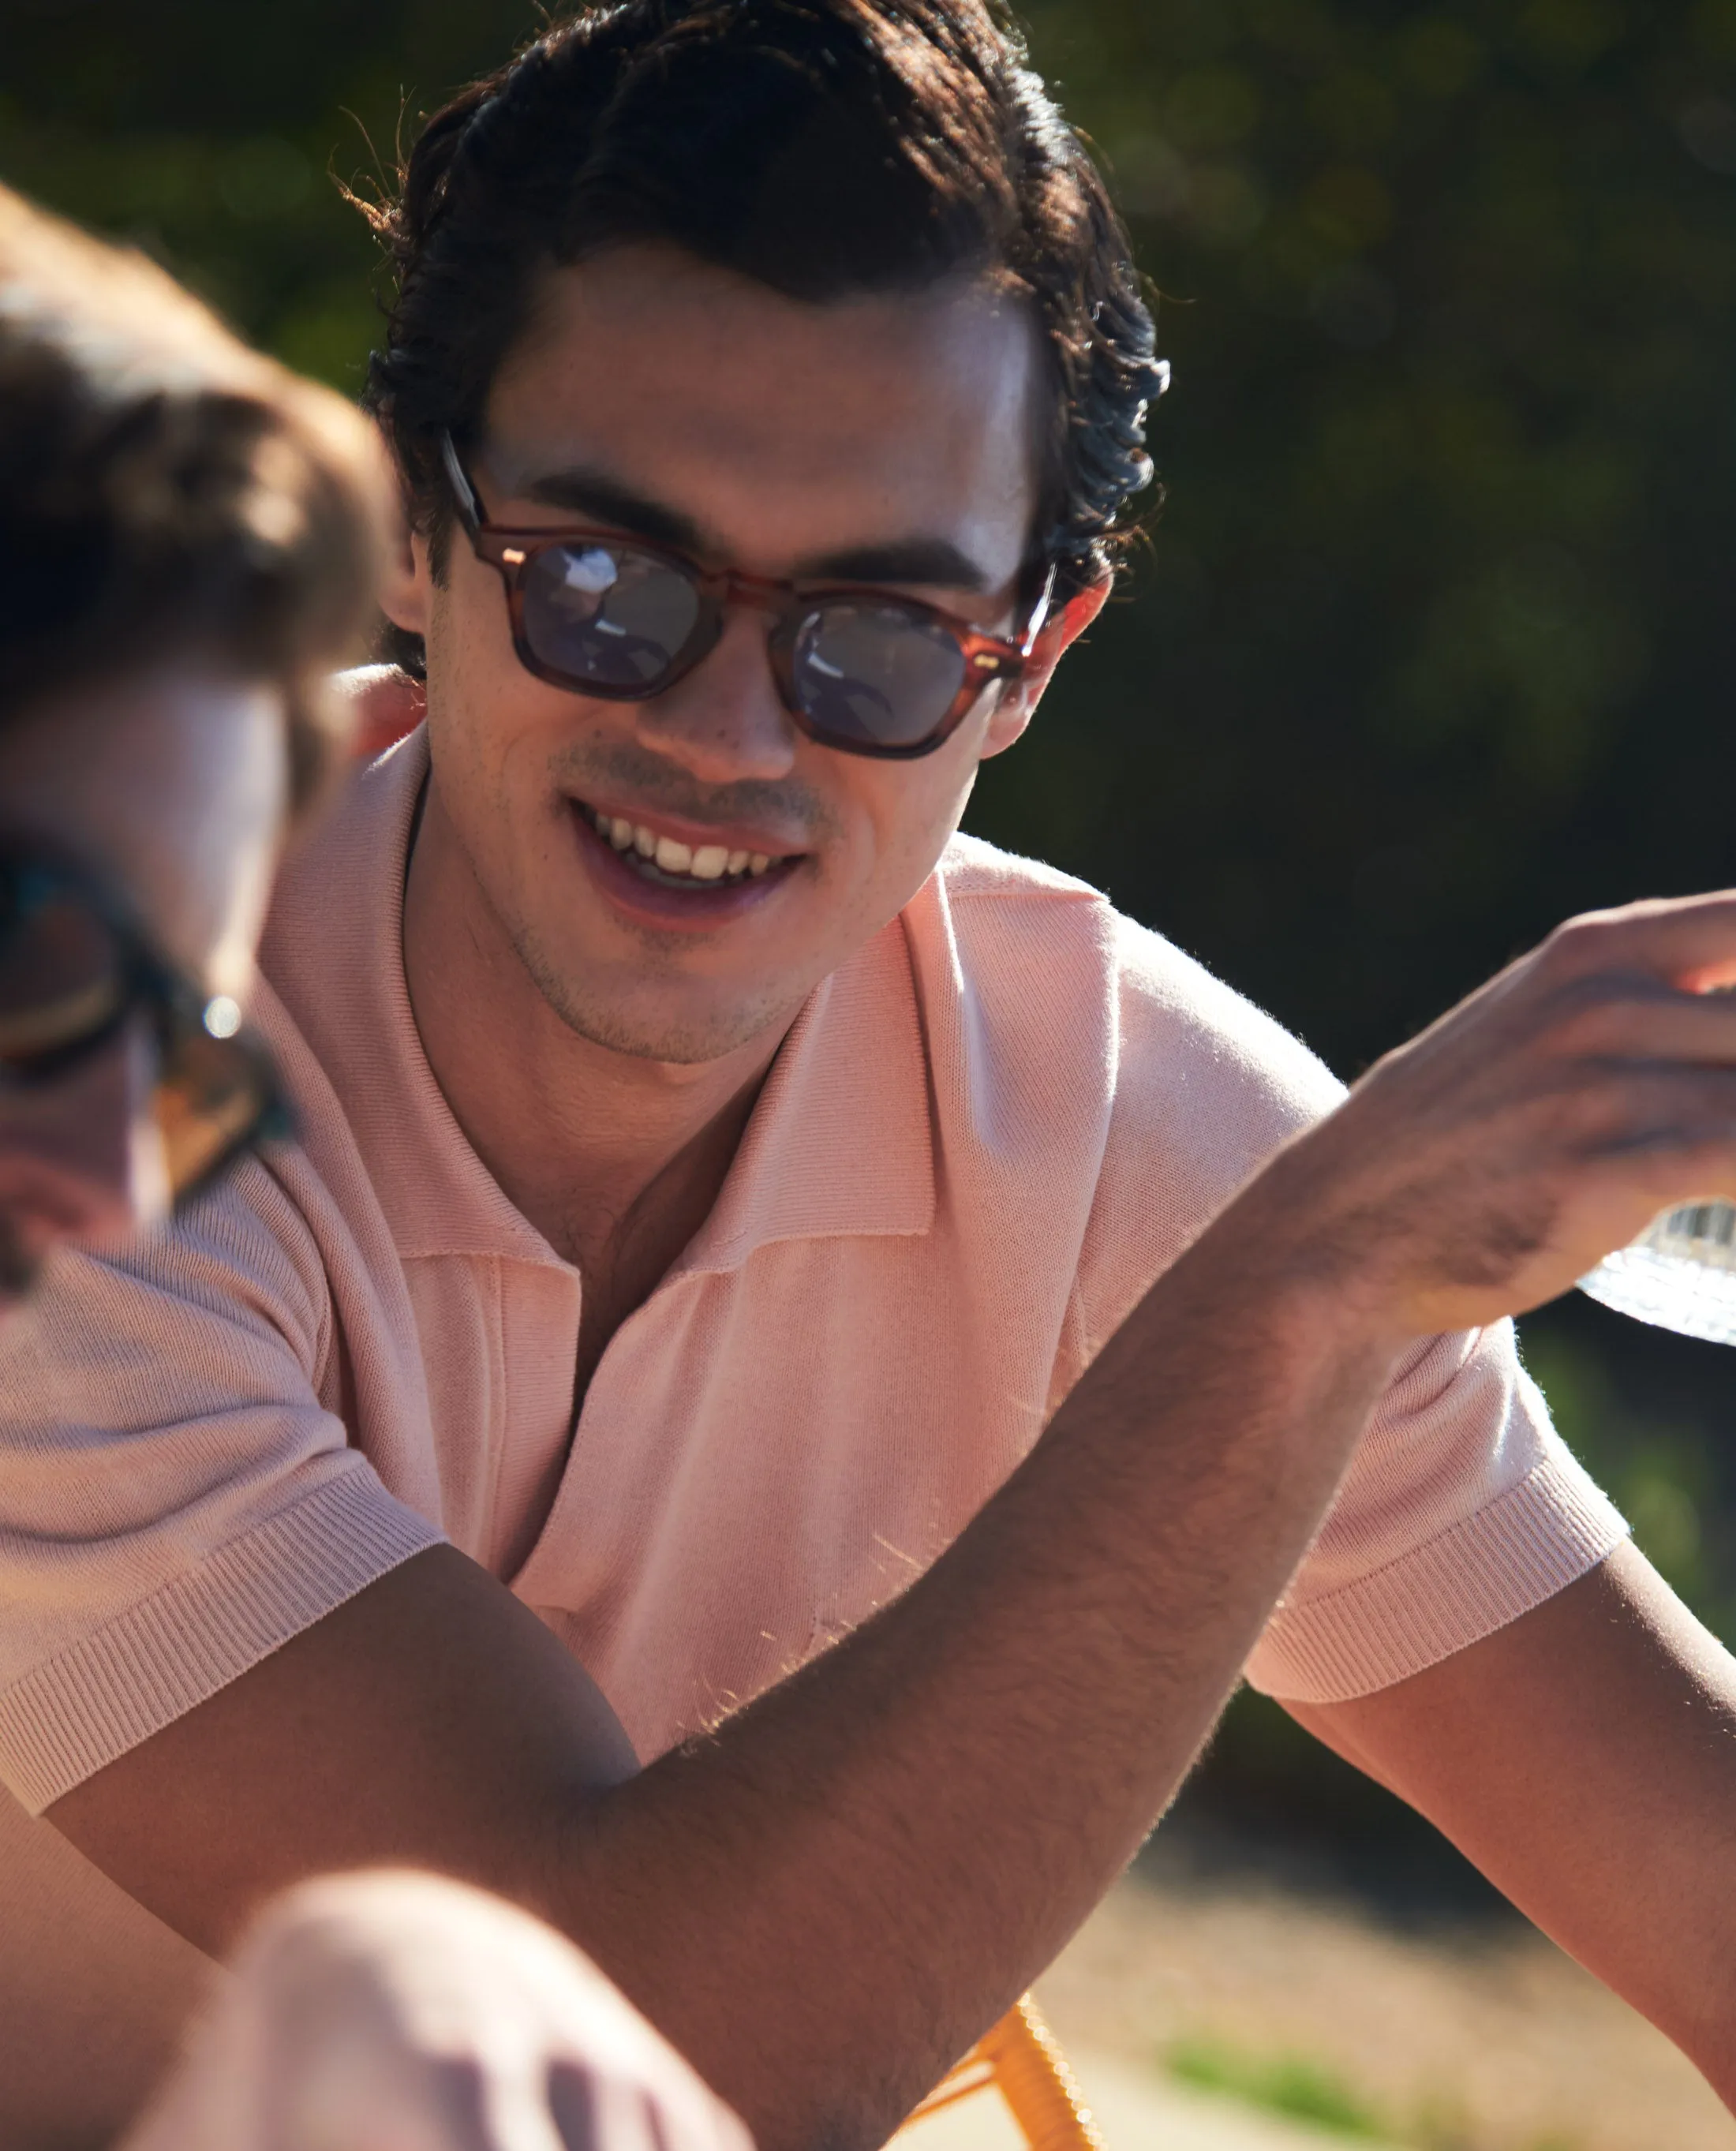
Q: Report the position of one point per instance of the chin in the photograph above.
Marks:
(682, 1029)
(686, 1040)
(636, 1005)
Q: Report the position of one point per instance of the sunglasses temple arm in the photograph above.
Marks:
(469, 507)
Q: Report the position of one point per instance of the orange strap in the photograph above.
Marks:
(1021, 2059)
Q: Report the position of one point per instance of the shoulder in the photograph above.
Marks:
(230, 1293)
(1190, 1085)
(1191, 1043)
(1183, 1041)
(970, 868)
(1207, 1087)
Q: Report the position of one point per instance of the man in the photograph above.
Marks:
(191, 538)
(714, 1179)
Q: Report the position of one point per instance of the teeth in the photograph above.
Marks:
(703, 862)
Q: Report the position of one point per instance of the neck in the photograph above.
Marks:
(591, 1145)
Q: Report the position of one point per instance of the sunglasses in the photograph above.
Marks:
(857, 667)
(75, 972)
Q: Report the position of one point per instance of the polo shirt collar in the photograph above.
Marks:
(840, 1142)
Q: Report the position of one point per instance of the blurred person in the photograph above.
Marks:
(191, 541)
(696, 1289)
(400, 2013)
(189, 537)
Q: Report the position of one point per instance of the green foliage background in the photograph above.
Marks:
(1433, 641)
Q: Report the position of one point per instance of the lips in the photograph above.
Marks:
(703, 885)
(676, 862)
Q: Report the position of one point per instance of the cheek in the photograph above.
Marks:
(181, 799)
(481, 703)
(911, 811)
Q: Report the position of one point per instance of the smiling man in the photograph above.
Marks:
(719, 1185)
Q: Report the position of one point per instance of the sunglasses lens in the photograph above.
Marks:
(214, 1095)
(63, 973)
(875, 676)
(608, 618)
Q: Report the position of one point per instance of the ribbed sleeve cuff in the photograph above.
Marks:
(152, 1664)
(1538, 1537)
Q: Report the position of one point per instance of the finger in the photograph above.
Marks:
(1636, 1191)
(1644, 1020)
(1633, 1118)
(1663, 1127)
(1688, 941)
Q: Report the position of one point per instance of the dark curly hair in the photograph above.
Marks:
(821, 147)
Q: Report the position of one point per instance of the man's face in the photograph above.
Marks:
(883, 439)
(171, 787)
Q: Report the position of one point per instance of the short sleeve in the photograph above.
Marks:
(1462, 1508)
(176, 1501)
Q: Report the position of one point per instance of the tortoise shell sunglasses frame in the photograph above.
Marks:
(512, 552)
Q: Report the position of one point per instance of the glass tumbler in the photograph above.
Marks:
(1680, 1273)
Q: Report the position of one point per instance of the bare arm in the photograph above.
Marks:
(822, 1903)
(1585, 1757)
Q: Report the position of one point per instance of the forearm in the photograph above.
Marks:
(885, 1849)
(1584, 1757)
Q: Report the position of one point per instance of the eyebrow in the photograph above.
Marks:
(932, 562)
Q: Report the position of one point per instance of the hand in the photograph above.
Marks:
(1544, 1123)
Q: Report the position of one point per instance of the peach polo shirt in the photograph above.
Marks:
(984, 1136)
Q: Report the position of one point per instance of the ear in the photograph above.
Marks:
(404, 585)
(1014, 712)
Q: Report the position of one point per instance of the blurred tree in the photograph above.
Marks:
(1433, 645)
(1430, 645)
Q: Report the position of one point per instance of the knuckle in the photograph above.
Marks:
(1599, 1011)
(1596, 1115)
(1671, 1116)
(1592, 1018)
(1575, 939)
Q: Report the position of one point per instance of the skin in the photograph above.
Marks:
(825, 1900)
(174, 785)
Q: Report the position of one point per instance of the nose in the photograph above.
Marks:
(80, 1157)
(725, 719)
